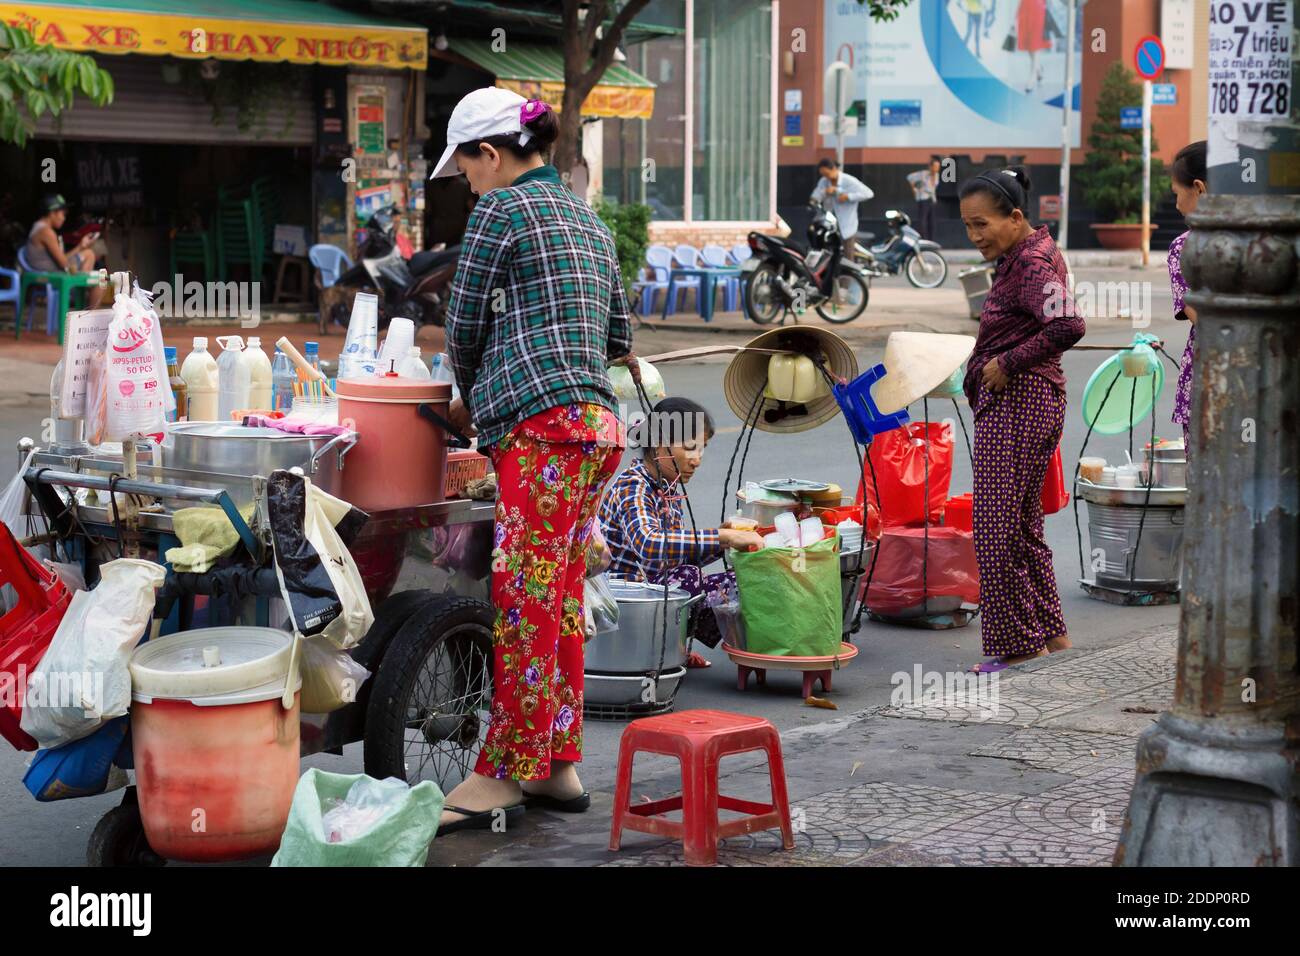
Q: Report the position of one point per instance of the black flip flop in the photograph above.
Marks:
(541, 801)
(478, 819)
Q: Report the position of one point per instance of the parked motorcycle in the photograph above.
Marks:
(904, 251)
(416, 289)
(780, 277)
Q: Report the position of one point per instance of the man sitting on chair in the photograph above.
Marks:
(44, 248)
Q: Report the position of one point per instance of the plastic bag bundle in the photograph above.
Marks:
(331, 679)
(137, 386)
(97, 398)
(598, 600)
(625, 388)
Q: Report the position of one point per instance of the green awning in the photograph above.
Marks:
(535, 70)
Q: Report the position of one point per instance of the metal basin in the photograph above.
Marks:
(1155, 562)
(642, 640)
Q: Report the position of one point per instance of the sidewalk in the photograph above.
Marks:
(1043, 779)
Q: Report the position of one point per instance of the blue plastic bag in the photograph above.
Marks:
(78, 769)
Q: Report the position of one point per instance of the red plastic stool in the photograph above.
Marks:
(699, 739)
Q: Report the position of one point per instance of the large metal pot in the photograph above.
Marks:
(1169, 467)
(230, 449)
(1156, 563)
(639, 643)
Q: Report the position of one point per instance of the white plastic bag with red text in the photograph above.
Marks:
(136, 400)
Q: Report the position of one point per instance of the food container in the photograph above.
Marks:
(764, 512)
(400, 460)
(1108, 476)
(1126, 476)
(213, 742)
(638, 644)
(1090, 469)
(1168, 464)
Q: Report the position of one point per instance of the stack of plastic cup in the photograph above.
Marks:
(361, 348)
(397, 344)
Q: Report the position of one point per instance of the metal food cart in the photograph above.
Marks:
(427, 569)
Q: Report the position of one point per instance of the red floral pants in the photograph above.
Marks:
(551, 471)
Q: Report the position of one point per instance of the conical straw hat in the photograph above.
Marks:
(746, 375)
(916, 363)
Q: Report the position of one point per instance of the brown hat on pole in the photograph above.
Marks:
(917, 363)
(747, 377)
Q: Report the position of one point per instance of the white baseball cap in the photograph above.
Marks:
(489, 111)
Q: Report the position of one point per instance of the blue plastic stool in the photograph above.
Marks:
(865, 420)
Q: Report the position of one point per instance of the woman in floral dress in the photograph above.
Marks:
(537, 312)
(1188, 178)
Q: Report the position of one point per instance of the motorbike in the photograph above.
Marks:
(904, 251)
(782, 278)
(417, 289)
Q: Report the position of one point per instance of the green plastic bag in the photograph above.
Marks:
(400, 836)
(790, 599)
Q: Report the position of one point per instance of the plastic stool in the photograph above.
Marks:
(699, 739)
(865, 420)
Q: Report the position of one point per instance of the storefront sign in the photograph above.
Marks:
(1176, 30)
(371, 136)
(1049, 207)
(196, 35)
(900, 113)
(791, 140)
(1250, 75)
(110, 177)
(617, 102)
(794, 101)
(1164, 94)
(793, 124)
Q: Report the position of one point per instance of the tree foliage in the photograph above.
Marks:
(630, 224)
(37, 79)
(1112, 175)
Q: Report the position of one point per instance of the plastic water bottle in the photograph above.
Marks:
(232, 378)
(412, 366)
(282, 378)
(311, 352)
(259, 375)
(440, 371)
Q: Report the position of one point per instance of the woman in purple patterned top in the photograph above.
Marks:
(1188, 178)
(1016, 390)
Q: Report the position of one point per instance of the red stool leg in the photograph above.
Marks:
(622, 789)
(699, 809)
(742, 676)
(776, 776)
(808, 677)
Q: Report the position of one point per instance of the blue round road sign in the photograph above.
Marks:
(1149, 57)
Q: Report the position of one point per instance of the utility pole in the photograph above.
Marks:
(1067, 106)
(1146, 173)
(1218, 775)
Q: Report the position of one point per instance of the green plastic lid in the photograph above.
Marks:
(1131, 396)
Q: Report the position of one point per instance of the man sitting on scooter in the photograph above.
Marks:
(844, 192)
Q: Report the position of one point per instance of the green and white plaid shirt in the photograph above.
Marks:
(537, 307)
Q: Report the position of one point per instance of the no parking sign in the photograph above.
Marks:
(1149, 57)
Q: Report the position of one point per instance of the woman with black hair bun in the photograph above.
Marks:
(1016, 389)
(1188, 176)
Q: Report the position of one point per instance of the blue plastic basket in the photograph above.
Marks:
(865, 420)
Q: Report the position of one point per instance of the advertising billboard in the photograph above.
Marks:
(957, 73)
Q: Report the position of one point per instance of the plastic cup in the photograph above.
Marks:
(1090, 469)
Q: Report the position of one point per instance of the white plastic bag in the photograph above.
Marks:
(13, 501)
(625, 388)
(331, 679)
(324, 511)
(598, 602)
(83, 680)
(136, 403)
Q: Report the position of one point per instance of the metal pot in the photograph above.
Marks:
(638, 644)
(230, 449)
(1155, 563)
(1169, 467)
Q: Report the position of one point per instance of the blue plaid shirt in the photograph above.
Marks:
(645, 531)
(537, 307)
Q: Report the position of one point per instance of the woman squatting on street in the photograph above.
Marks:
(1016, 389)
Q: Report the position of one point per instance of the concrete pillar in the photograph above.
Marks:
(1219, 775)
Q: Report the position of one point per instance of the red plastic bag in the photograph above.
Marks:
(26, 631)
(899, 457)
(907, 579)
(1055, 497)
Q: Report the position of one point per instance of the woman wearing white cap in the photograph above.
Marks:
(537, 312)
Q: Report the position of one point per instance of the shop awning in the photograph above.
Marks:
(269, 31)
(534, 70)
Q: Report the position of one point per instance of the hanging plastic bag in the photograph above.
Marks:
(1055, 497)
(136, 403)
(14, 500)
(83, 680)
(620, 379)
(914, 577)
(598, 601)
(599, 557)
(354, 820)
(790, 599)
(82, 768)
(899, 458)
(331, 679)
(97, 398)
(319, 580)
(145, 301)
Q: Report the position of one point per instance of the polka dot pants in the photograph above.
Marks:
(1016, 431)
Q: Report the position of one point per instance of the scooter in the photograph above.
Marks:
(416, 289)
(904, 251)
(781, 278)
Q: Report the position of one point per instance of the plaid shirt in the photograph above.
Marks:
(642, 538)
(537, 307)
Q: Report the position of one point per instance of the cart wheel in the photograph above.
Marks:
(119, 840)
(389, 619)
(430, 701)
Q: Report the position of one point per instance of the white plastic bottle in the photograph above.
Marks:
(259, 375)
(412, 366)
(232, 377)
(200, 374)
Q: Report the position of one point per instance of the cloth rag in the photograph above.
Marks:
(206, 536)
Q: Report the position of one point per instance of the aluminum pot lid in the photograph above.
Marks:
(793, 485)
(631, 592)
(232, 430)
(213, 665)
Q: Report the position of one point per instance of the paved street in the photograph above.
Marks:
(1044, 780)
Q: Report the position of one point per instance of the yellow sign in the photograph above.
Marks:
(610, 102)
(791, 140)
(201, 36)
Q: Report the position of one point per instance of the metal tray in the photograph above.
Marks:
(1133, 497)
